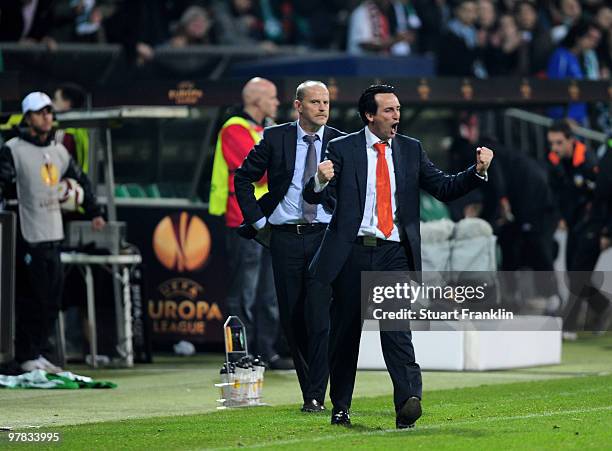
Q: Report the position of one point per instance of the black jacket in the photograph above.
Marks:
(275, 153)
(573, 182)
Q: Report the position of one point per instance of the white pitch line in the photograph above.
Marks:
(420, 428)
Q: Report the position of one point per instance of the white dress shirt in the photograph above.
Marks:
(369, 222)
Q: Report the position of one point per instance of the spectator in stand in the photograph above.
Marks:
(323, 22)
(565, 62)
(488, 27)
(27, 21)
(382, 27)
(239, 22)
(281, 25)
(603, 56)
(87, 21)
(434, 15)
(194, 28)
(603, 19)
(535, 35)
(507, 6)
(565, 14)
(487, 18)
(408, 23)
(506, 53)
(461, 54)
(246, 22)
(140, 25)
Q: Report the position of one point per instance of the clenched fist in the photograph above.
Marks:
(484, 155)
(325, 171)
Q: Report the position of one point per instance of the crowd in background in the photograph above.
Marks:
(481, 38)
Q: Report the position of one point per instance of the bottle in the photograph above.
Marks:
(225, 388)
(242, 376)
(234, 387)
(260, 368)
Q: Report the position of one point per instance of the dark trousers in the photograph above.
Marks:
(304, 308)
(39, 280)
(530, 249)
(346, 322)
(581, 257)
(251, 294)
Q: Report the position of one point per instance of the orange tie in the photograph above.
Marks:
(383, 192)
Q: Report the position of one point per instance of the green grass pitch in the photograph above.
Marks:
(171, 405)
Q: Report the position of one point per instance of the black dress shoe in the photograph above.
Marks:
(341, 417)
(409, 413)
(313, 406)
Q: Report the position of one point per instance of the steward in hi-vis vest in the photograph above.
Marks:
(237, 137)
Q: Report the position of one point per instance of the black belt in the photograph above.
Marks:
(301, 229)
(371, 241)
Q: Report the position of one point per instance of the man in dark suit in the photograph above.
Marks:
(375, 227)
(290, 154)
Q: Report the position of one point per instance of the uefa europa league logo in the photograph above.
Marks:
(182, 242)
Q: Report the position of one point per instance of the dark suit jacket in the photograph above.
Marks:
(413, 171)
(275, 153)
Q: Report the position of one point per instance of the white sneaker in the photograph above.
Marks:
(48, 366)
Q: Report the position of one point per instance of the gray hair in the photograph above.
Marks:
(301, 89)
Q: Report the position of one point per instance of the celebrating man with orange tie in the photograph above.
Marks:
(375, 175)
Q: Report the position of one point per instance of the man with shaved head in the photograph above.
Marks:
(289, 154)
(251, 282)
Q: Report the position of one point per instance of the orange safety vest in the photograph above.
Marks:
(578, 157)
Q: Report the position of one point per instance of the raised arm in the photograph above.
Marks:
(447, 187)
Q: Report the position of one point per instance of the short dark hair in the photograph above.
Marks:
(577, 31)
(367, 102)
(74, 93)
(563, 126)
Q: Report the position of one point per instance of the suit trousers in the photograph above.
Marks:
(346, 322)
(251, 294)
(303, 306)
